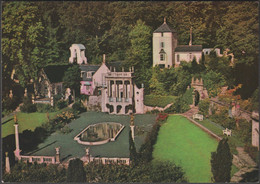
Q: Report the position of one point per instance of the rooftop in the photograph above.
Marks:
(188, 48)
(164, 28)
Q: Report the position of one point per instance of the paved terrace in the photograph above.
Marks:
(70, 148)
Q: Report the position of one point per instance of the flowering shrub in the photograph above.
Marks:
(162, 117)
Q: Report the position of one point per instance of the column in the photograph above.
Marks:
(57, 156)
(17, 150)
(7, 163)
(131, 88)
(123, 88)
(114, 89)
(108, 88)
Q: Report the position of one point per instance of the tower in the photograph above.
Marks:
(164, 44)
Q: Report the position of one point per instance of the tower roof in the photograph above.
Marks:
(164, 28)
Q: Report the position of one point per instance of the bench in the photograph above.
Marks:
(198, 116)
(227, 132)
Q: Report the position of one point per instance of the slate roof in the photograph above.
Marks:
(115, 64)
(187, 48)
(164, 28)
(81, 47)
(55, 73)
(88, 68)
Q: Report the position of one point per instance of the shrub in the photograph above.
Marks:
(252, 151)
(66, 129)
(28, 106)
(160, 101)
(78, 107)
(179, 106)
(162, 117)
(61, 104)
(10, 104)
(44, 108)
(204, 107)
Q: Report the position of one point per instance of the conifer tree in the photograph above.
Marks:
(221, 162)
(132, 149)
(76, 172)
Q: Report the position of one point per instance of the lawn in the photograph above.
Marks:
(27, 121)
(70, 148)
(185, 144)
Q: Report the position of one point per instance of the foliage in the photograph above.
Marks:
(133, 154)
(72, 79)
(76, 172)
(213, 81)
(159, 101)
(28, 106)
(244, 130)
(221, 162)
(204, 107)
(66, 129)
(61, 104)
(223, 119)
(44, 107)
(252, 151)
(22, 33)
(26, 172)
(161, 117)
(179, 106)
(146, 149)
(10, 104)
(77, 106)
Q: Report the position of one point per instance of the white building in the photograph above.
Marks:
(167, 52)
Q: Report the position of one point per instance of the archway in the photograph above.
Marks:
(197, 97)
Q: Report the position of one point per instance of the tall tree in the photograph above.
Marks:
(76, 172)
(221, 162)
(72, 79)
(21, 41)
(140, 54)
(132, 149)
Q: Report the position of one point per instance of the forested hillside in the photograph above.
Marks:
(35, 34)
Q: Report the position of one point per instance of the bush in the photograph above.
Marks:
(78, 107)
(162, 117)
(179, 106)
(66, 129)
(44, 108)
(28, 106)
(61, 104)
(10, 104)
(160, 101)
(204, 107)
(252, 151)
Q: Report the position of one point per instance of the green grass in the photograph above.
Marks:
(160, 101)
(233, 141)
(185, 144)
(27, 121)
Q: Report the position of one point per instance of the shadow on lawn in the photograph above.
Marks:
(41, 148)
(7, 121)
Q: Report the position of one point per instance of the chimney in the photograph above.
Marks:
(104, 58)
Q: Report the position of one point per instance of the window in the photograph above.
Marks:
(162, 57)
(162, 34)
(162, 44)
(178, 58)
(190, 56)
(89, 74)
(82, 74)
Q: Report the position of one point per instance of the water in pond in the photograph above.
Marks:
(101, 131)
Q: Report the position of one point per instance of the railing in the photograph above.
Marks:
(119, 74)
(104, 160)
(38, 159)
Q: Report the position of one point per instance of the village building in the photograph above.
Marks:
(167, 52)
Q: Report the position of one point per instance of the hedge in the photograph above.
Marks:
(159, 101)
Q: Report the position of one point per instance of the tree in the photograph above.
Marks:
(221, 162)
(140, 52)
(76, 172)
(21, 41)
(72, 79)
(132, 149)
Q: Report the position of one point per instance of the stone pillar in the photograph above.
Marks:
(108, 87)
(52, 103)
(17, 150)
(33, 99)
(7, 163)
(87, 154)
(11, 94)
(131, 88)
(57, 156)
(25, 92)
(123, 88)
(133, 133)
(114, 96)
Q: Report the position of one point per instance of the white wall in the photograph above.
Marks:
(168, 48)
(185, 56)
(99, 76)
(139, 100)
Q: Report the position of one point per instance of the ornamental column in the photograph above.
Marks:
(114, 89)
(17, 150)
(7, 163)
(57, 156)
(124, 88)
